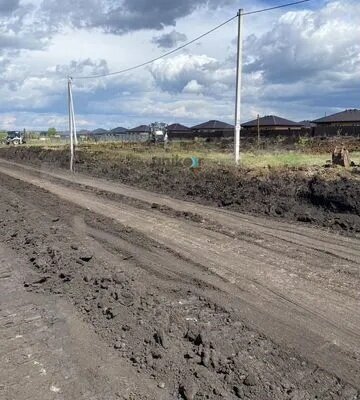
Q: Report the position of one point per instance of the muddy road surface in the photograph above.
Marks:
(139, 296)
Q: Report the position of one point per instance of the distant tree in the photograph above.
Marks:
(52, 132)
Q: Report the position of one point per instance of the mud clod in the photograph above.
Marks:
(161, 338)
(239, 392)
(86, 257)
(250, 380)
(188, 391)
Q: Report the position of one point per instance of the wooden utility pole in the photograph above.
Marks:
(258, 130)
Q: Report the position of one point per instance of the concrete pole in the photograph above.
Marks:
(73, 114)
(70, 127)
(238, 88)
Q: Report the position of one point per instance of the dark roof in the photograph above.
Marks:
(178, 127)
(215, 125)
(119, 129)
(270, 120)
(99, 131)
(83, 132)
(344, 116)
(141, 128)
(307, 124)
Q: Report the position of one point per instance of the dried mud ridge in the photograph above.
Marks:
(172, 327)
(329, 199)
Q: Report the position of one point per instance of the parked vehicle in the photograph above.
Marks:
(15, 138)
(158, 132)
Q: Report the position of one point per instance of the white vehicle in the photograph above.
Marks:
(158, 132)
(15, 138)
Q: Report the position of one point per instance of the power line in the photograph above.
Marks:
(276, 7)
(160, 57)
(189, 43)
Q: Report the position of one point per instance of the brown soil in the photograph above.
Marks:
(172, 318)
(327, 198)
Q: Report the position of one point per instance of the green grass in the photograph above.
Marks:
(248, 159)
(282, 159)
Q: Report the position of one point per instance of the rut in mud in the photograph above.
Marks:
(144, 302)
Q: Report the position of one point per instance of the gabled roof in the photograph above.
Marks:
(307, 124)
(140, 128)
(119, 129)
(270, 120)
(178, 127)
(344, 116)
(213, 125)
(99, 131)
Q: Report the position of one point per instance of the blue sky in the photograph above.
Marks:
(299, 63)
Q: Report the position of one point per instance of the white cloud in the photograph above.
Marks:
(193, 87)
(170, 39)
(298, 64)
(197, 73)
(309, 44)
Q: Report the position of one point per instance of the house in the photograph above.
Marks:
(272, 123)
(118, 131)
(213, 129)
(179, 131)
(307, 124)
(142, 129)
(100, 131)
(344, 118)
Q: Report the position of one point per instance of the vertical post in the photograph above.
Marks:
(73, 114)
(238, 88)
(258, 129)
(70, 127)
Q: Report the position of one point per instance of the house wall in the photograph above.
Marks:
(213, 133)
(173, 135)
(274, 128)
(328, 131)
(339, 124)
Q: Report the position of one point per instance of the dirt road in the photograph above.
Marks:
(206, 302)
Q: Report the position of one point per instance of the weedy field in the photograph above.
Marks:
(288, 184)
(303, 153)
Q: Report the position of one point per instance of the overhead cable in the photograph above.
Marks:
(188, 43)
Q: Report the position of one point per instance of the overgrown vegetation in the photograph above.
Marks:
(207, 153)
(286, 185)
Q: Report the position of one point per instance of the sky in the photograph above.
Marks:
(300, 63)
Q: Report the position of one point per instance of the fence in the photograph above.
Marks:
(330, 131)
(291, 135)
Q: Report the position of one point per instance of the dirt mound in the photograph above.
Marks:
(328, 198)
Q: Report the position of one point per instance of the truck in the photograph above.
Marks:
(15, 138)
(158, 132)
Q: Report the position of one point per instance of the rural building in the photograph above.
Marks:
(213, 129)
(307, 124)
(118, 131)
(179, 131)
(344, 118)
(140, 129)
(100, 131)
(272, 123)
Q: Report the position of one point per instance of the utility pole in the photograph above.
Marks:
(73, 114)
(238, 88)
(258, 129)
(71, 125)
